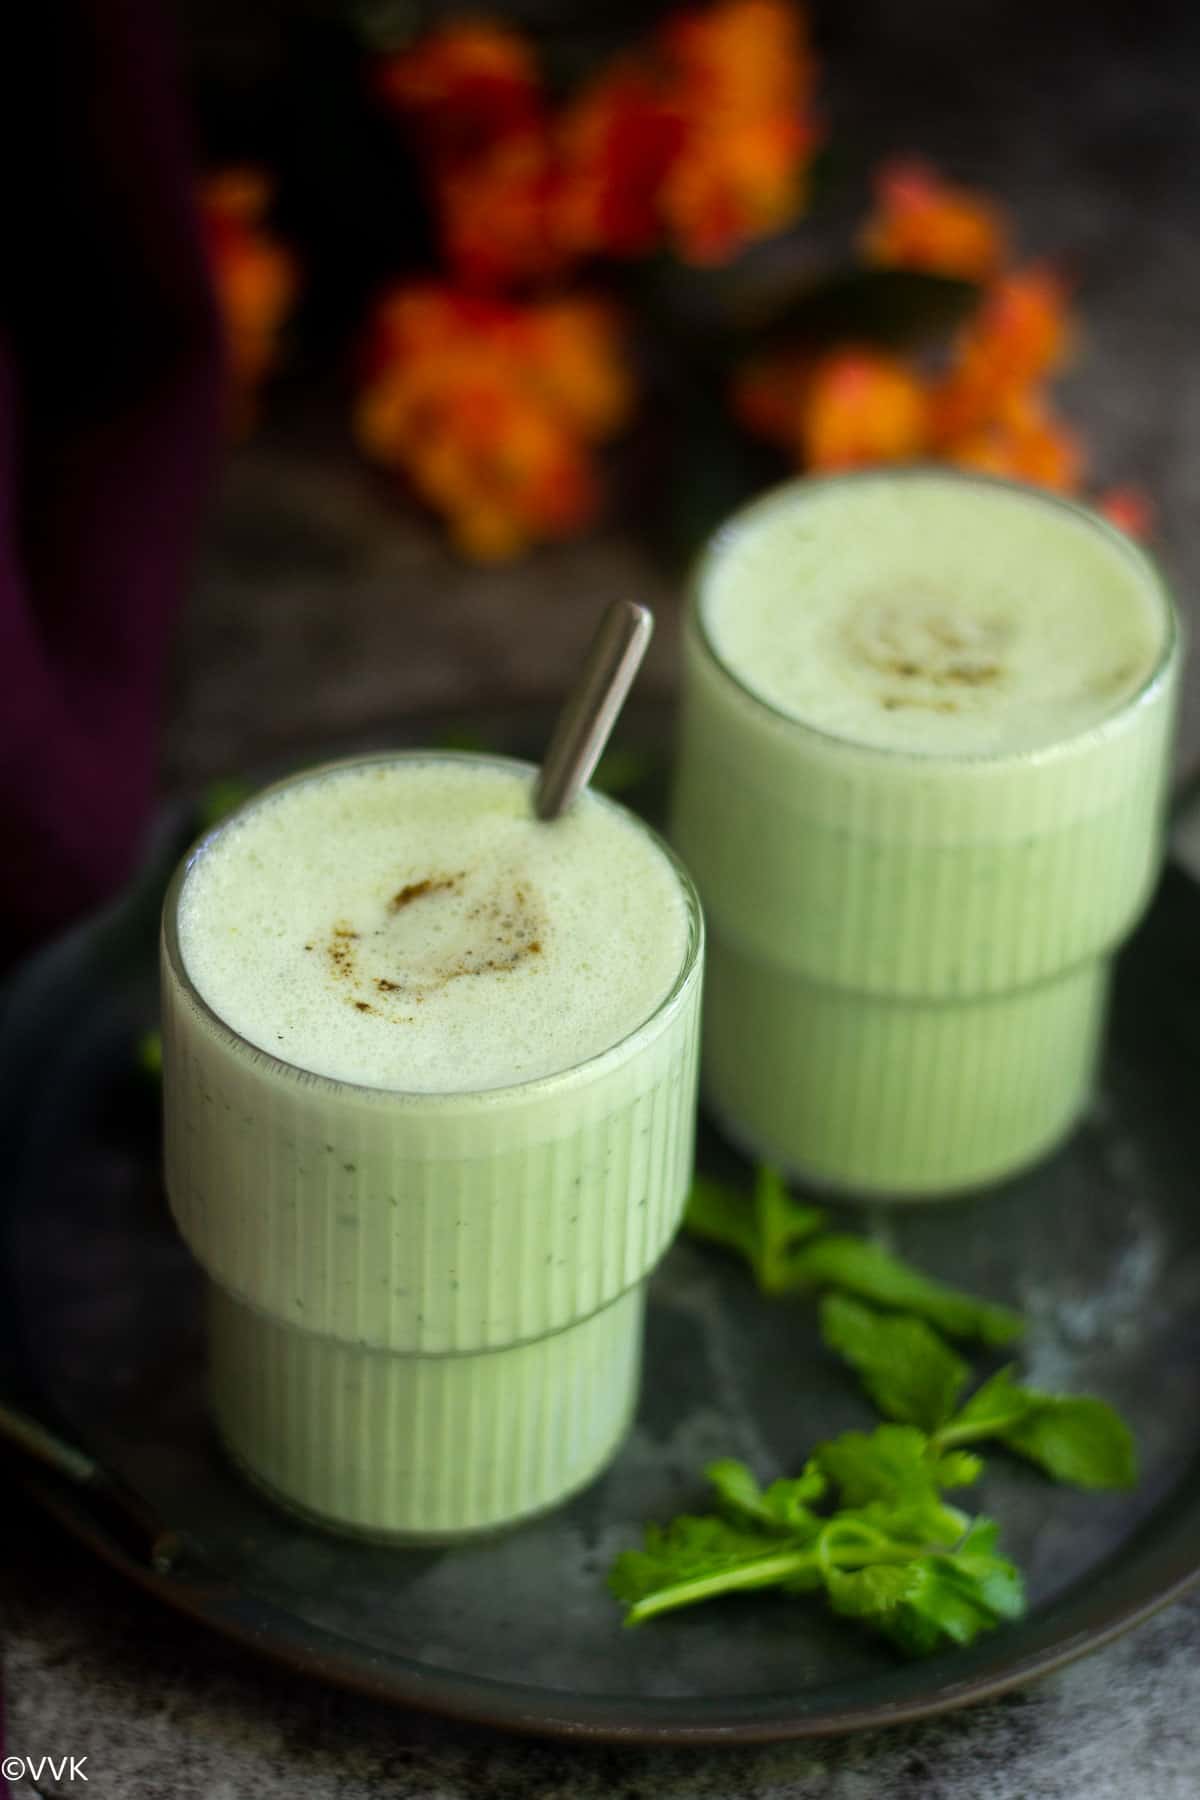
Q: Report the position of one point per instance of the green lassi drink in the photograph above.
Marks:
(924, 746)
(429, 1084)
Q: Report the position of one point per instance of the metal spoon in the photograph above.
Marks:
(591, 708)
(125, 1514)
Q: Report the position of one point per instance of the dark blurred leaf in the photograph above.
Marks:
(895, 307)
(712, 470)
(830, 174)
(784, 290)
(708, 308)
(149, 1054)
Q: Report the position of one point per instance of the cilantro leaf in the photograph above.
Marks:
(839, 1260)
(694, 1559)
(906, 1368)
(952, 1596)
(897, 1465)
(866, 1520)
(1073, 1437)
(875, 1590)
(782, 1224)
(783, 1507)
(764, 1229)
(1077, 1438)
(903, 1563)
(722, 1216)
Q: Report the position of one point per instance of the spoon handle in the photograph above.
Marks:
(591, 708)
(125, 1514)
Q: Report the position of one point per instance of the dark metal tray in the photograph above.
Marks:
(1100, 1247)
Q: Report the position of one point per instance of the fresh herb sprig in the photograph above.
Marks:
(914, 1376)
(866, 1522)
(765, 1229)
(789, 1253)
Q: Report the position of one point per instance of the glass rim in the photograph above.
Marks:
(372, 1092)
(717, 544)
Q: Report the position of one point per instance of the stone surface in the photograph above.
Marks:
(166, 1712)
(321, 609)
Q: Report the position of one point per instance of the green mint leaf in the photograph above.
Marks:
(954, 1596)
(873, 1591)
(689, 1546)
(957, 1468)
(721, 1216)
(150, 1054)
(996, 1582)
(852, 1263)
(784, 1507)
(896, 1465)
(908, 1370)
(782, 1224)
(696, 1559)
(905, 1565)
(919, 1525)
(888, 1464)
(1077, 1438)
(1073, 1437)
(737, 1488)
(920, 1594)
(764, 1229)
(992, 1410)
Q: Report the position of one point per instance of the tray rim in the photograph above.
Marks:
(602, 1719)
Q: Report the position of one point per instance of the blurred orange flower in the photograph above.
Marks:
(922, 222)
(741, 78)
(844, 409)
(769, 396)
(705, 138)
(472, 95)
(497, 215)
(492, 410)
(1019, 337)
(863, 407)
(616, 140)
(1025, 442)
(987, 407)
(1130, 509)
(468, 86)
(255, 280)
(849, 408)
(699, 141)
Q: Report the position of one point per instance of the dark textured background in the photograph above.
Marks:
(322, 606)
(320, 609)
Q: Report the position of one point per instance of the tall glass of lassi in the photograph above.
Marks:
(430, 1072)
(925, 740)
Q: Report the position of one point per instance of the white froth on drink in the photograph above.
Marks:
(409, 925)
(919, 629)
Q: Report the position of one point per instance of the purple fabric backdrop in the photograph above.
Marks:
(109, 388)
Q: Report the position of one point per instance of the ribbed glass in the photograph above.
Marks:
(908, 952)
(448, 1251)
(457, 1444)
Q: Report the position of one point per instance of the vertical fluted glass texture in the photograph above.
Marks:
(908, 954)
(426, 1308)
